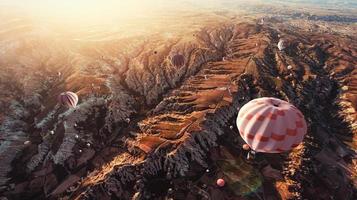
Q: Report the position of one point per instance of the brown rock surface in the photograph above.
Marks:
(146, 129)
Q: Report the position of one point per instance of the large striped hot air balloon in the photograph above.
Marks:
(68, 99)
(271, 125)
(178, 60)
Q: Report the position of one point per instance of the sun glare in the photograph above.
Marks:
(97, 20)
(86, 11)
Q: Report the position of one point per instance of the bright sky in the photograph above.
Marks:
(102, 15)
(86, 10)
(108, 11)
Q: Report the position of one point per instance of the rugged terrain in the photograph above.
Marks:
(145, 129)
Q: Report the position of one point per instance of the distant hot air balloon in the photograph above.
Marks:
(220, 182)
(178, 60)
(69, 99)
(271, 125)
(245, 147)
(281, 45)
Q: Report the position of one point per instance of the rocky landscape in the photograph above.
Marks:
(145, 129)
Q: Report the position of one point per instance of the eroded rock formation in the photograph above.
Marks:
(145, 129)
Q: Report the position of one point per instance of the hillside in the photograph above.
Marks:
(145, 129)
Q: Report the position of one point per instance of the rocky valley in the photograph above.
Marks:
(146, 129)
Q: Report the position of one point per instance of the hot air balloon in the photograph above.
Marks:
(281, 45)
(245, 147)
(220, 182)
(271, 125)
(178, 60)
(69, 99)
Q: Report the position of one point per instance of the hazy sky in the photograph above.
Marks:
(80, 8)
(98, 11)
(116, 10)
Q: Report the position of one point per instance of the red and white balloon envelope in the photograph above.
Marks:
(271, 125)
(220, 182)
(68, 99)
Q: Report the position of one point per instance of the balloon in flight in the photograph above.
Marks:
(68, 99)
(178, 60)
(271, 125)
(220, 182)
(245, 147)
(281, 45)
